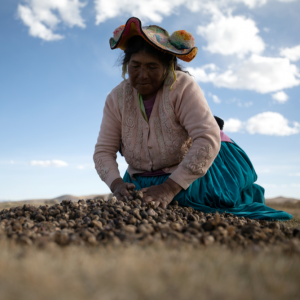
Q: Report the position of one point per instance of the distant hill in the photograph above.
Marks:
(281, 199)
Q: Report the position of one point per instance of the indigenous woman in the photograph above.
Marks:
(172, 143)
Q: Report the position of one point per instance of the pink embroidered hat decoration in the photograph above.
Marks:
(181, 43)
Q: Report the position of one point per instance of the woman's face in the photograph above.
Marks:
(146, 74)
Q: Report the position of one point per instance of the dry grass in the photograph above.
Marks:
(291, 208)
(145, 273)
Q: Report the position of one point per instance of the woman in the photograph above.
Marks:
(168, 135)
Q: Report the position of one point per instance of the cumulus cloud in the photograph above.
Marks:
(295, 174)
(155, 10)
(257, 73)
(267, 123)
(215, 98)
(292, 54)
(41, 17)
(271, 123)
(280, 97)
(232, 35)
(48, 163)
(233, 125)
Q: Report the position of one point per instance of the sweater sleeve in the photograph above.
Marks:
(193, 113)
(108, 142)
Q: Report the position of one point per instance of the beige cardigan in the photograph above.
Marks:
(182, 136)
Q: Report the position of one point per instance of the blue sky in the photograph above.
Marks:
(56, 69)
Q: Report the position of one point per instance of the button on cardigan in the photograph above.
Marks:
(182, 132)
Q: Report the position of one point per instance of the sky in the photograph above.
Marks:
(56, 70)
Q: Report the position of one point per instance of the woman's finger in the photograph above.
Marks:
(130, 186)
(163, 205)
(125, 193)
(157, 203)
(118, 196)
(148, 199)
(144, 190)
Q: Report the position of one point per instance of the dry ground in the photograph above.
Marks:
(135, 272)
(291, 208)
(146, 273)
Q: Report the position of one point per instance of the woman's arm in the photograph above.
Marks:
(193, 113)
(108, 142)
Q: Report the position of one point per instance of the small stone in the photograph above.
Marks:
(145, 228)
(208, 226)
(129, 229)
(176, 226)
(274, 225)
(151, 212)
(207, 240)
(96, 224)
(132, 220)
(143, 214)
(113, 200)
(63, 224)
(40, 218)
(151, 204)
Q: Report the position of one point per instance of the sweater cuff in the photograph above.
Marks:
(179, 179)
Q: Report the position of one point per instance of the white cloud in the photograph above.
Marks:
(48, 163)
(233, 125)
(258, 73)
(244, 104)
(40, 16)
(155, 10)
(264, 170)
(80, 167)
(292, 54)
(146, 10)
(294, 174)
(215, 98)
(281, 97)
(271, 123)
(267, 123)
(232, 35)
(286, 1)
(43, 16)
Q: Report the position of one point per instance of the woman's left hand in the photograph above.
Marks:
(161, 194)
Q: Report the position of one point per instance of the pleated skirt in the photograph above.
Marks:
(228, 186)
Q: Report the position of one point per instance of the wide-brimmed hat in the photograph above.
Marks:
(181, 43)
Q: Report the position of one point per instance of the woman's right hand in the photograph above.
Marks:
(121, 189)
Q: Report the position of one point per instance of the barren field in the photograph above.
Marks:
(257, 268)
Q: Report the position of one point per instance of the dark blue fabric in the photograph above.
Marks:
(227, 186)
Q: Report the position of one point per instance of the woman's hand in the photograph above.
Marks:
(162, 194)
(120, 189)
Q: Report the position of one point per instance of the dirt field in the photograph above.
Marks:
(152, 272)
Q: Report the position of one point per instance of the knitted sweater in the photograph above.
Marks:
(182, 137)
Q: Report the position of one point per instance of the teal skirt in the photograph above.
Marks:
(228, 186)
